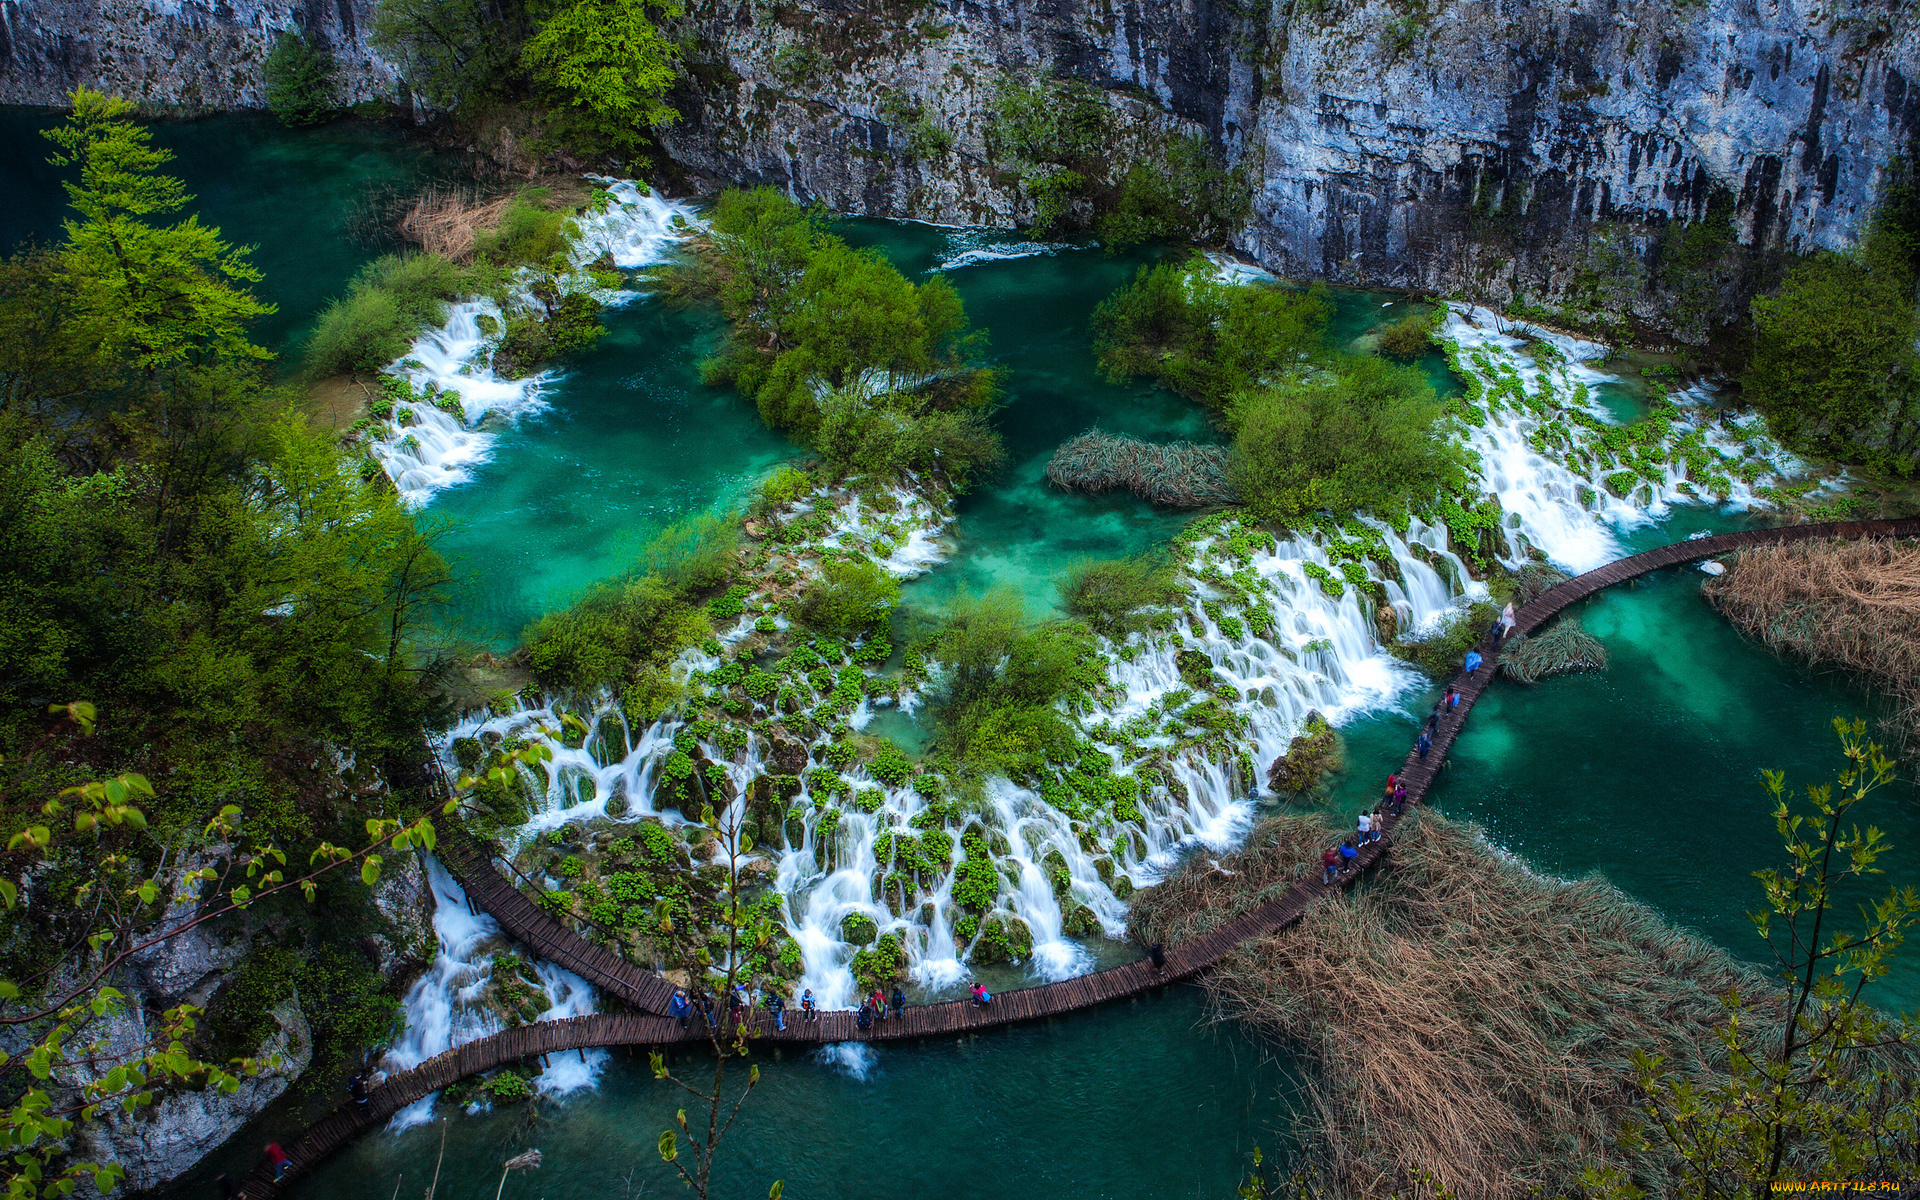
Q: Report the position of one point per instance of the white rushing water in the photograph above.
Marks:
(453, 1002)
(436, 441)
(1190, 714)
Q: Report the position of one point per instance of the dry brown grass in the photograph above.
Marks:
(1463, 1017)
(1199, 897)
(1852, 603)
(444, 220)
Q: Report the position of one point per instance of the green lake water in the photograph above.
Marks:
(1648, 773)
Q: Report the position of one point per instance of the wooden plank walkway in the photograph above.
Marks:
(519, 916)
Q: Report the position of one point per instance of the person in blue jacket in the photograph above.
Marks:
(681, 1009)
(1473, 661)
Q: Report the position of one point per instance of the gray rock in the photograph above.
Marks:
(162, 1141)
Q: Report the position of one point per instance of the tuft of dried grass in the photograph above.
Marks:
(445, 220)
(1463, 1016)
(1200, 896)
(1176, 474)
(1847, 602)
(1562, 649)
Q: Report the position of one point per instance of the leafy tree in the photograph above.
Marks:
(1358, 439)
(158, 295)
(1833, 1094)
(454, 53)
(1834, 365)
(1006, 675)
(1204, 338)
(1183, 197)
(1110, 595)
(302, 80)
(609, 65)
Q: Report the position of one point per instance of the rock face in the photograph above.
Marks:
(177, 54)
(162, 1141)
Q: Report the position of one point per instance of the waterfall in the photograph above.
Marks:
(446, 1006)
(443, 438)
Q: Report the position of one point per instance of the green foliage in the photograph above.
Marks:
(1834, 362)
(530, 232)
(607, 65)
(812, 317)
(1835, 1096)
(858, 928)
(613, 634)
(1111, 595)
(784, 487)
(883, 963)
(1006, 677)
(1360, 440)
(567, 323)
(976, 884)
(453, 52)
(508, 1087)
(341, 997)
(390, 301)
(1184, 197)
(695, 552)
(302, 80)
(890, 764)
(851, 598)
(158, 296)
(1410, 336)
(1204, 338)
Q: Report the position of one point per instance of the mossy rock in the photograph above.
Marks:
(1122, 887)
(469, 753)
(1002, 938)
(885, 963)
(1079, 921)
(1103, 867)
(1196, 670)
(1310, 758)
(858, 929)
(617, 805)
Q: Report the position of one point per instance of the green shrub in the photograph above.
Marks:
(1109, 595)
(508, 1087)
(1179, 196)
(852, 597)
(302, 80)
(386, 306)
(606, 637)
(528, 234)
(696, 553)
(566, 325)
(1359, 440)
(858, 928)
(1204, 338)
(1409, 337)
(784, 487)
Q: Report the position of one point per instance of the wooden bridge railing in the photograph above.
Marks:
(547, 937)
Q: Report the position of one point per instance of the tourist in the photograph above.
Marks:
(1506, 619)
(278, 1160)
(1452, 699)
(879, 1005)
(1365, 830)
(1399, 799)
(1423, 745)
(1348, 852)
(357, 1090)
(680, 1008)
(1379, 823)
(1158, 954)
(737, 1002)
(706, 1009)
(864, 1019)
(777, 1005)
(806, 1004)
(899, 1000)
(981, 996)
(1331, 862)
(1473, 661)
(1433, 721)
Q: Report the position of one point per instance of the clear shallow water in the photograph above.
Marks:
(1648, 773)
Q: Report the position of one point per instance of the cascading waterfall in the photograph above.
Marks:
(447, 1006)
(441, 440)
(1272, 629)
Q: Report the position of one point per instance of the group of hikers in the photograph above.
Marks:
(741, 1002)
(1372, 825)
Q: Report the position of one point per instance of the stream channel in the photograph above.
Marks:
(1647, 773)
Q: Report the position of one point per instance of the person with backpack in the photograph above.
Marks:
(864, 1018)
(981, 996)
(777, 1005)
(1348, 853)
(1330, 862)
(680, 1008)
(278, 1160)
(879, 1005)
(899, 1001)
(1452, 699)
(806, 1004)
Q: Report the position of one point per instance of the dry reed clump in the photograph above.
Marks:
(444, 221)
(1561, 650)
(1534, 580)
(1177, 474)
(1853, 603)
(1206, 893)
(1469, 1019)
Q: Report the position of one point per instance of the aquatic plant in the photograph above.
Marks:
(1562, 650)
(1177, 474)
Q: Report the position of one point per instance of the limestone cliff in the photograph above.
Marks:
(188, 55)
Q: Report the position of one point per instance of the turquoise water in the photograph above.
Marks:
(1648, 773)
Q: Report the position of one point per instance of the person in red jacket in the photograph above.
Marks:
(278, 1160)
(1331, 862)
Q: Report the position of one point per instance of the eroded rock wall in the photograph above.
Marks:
(185, 55)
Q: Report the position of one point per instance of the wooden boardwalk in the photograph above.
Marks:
(550, 940)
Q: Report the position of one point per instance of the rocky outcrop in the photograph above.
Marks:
(161, 1141)
(1505, 147)
(186, 55)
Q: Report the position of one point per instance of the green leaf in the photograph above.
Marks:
(669, 1149)
(370, 870)
(779, 1185)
